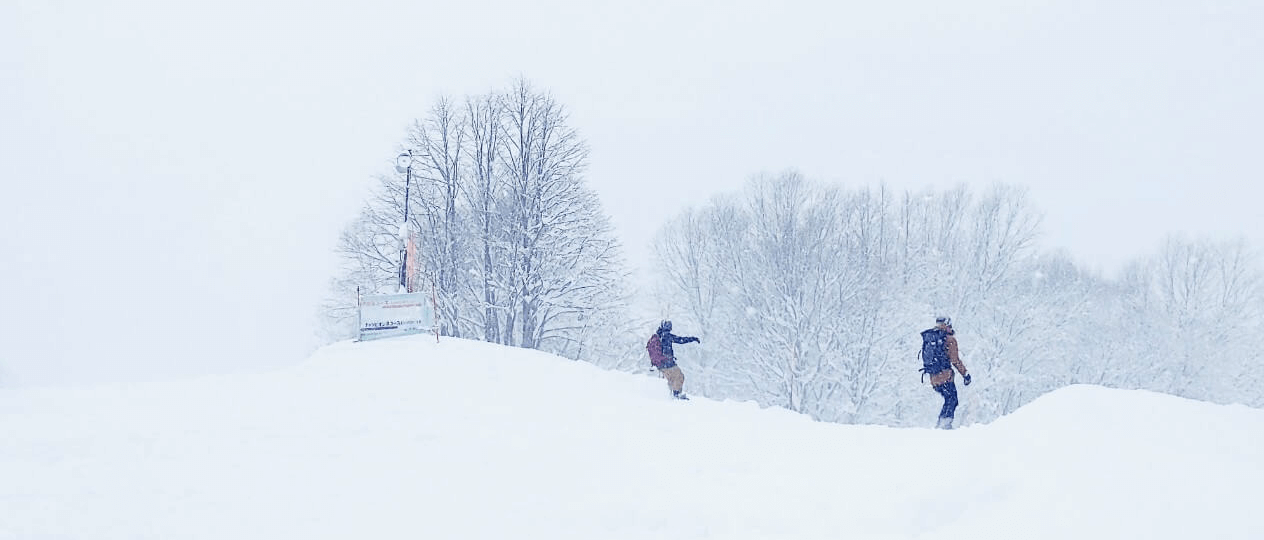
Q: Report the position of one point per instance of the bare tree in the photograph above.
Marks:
(1199, 302)
(484, 116)
(543, 157)
(815, 294)
(691, 256)
(437, 144)
(765, 273)
(520, 248)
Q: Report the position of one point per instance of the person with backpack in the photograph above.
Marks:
(939, 357)
(664, 358)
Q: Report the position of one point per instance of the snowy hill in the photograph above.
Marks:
(411, 439)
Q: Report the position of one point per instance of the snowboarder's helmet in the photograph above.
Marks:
(665, 325)
(946, 321)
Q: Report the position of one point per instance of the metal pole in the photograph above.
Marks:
(408, 182)
(403, 226)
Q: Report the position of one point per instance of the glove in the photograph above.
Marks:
(967, 379)
(698, 341)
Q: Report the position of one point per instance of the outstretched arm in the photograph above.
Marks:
(951, 343)
(683, 339)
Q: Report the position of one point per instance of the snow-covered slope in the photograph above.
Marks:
(411, 439)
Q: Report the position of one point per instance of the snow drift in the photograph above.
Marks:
(407, 438)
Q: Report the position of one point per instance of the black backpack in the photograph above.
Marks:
(934, 351)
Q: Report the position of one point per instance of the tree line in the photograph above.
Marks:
(811, 297)
(808, 296)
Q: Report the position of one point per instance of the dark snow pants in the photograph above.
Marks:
(949, 391)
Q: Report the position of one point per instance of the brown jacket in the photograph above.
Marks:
(947, 375)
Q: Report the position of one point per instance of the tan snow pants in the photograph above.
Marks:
(675, 378)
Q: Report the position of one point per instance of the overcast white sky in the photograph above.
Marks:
(175, 174)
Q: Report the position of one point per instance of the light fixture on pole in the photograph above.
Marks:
(404, 164)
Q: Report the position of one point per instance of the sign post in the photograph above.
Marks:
(390, 315)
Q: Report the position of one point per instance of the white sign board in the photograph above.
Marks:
(390, 315)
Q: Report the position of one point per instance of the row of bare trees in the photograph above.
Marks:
(811, 296)
(514, 241)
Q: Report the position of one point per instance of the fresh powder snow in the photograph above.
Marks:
(408, 438)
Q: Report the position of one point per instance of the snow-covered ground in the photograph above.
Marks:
(406, 438)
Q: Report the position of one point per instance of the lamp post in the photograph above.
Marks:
(404, 164)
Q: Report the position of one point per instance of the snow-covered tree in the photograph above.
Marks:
(436, 145)
(483, 193)
(515, 243)
(1196, 305)
(815, 295)
(806, 296)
